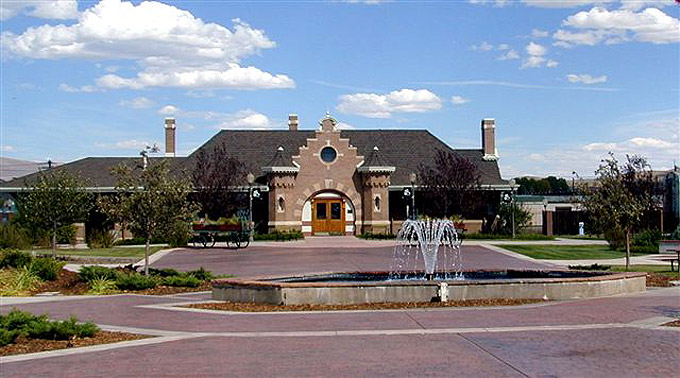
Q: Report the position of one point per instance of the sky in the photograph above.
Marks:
(567, 81)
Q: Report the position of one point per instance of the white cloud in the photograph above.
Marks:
(601, 25)
(537, 33)
(496, 3)
(344, 126)
(652, 142)
(176, 49)
(132, 144)
(459, 100)
(245, 119)
(8, 148)
(168, 110)
(562, 3)
(536, 57)
(535, 49)
(383, 105)
(510, 55)
(535, 156)
(55, 9)
(85, 88)
(598, 146)
(137, 103)
(502, 47)
(484, 46)
(586, 79)
(639, 4)
(369, 2)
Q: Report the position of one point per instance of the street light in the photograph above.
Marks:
(251, 180)
(545, 214)
(512, 202)
(412, 177)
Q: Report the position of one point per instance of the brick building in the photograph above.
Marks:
(324, 180)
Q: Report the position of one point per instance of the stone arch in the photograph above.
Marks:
(344, 191)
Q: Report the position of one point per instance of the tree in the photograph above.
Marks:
(150, 202)
(452, 180)
(214, 176)
(621, 197)
(522, 218)
(55, 199)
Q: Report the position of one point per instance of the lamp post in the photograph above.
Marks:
(412, 177)
(251, 180)
(512, 203)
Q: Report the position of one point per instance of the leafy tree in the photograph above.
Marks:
(522, 218)
(55, 199)
(621, 197)
(214, 176)
(150, 202)
(548, 185)
(452, 181)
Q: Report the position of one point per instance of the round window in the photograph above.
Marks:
(328, 154)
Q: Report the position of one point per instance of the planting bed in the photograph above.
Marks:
(25, 345)
(255, 307)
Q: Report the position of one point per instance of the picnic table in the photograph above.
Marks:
(673, 259)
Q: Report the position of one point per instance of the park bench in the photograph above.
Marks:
(672, 259)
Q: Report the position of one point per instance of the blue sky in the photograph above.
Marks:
(566, 81)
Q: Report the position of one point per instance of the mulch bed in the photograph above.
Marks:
(24, 345)
(254, 307)
(67, 283)
(674, 323)
(659, 280)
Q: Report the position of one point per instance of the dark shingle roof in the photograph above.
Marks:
(96, 170)
(280, 159)
(375, 159)
(403, 149)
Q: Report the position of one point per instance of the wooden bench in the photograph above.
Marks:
(672, 259)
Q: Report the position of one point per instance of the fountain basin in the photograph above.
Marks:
(374, 287)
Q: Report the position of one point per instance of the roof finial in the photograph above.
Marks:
(375, 148)
(328, 114)
(280, 148)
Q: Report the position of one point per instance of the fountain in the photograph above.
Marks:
(438, 244)
(426, 266)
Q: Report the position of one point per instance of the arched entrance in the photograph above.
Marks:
(328, 213)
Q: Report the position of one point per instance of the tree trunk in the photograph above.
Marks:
(54, 240)
(627, 248)
(146, 256)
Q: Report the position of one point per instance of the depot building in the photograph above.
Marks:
(323, 180)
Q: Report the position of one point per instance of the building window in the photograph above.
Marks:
(281, 205)
(328, 154)
(376, 203)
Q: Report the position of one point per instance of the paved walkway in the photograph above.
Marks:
(602, 337)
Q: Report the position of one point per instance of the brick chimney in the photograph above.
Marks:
(292, 122)
(170, 137)
(489, 139)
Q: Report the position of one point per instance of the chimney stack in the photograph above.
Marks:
(489, 139)
(292, 122)
(170, 137)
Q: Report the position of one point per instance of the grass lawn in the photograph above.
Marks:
(662, 269)
(136, 252)
(567, 252)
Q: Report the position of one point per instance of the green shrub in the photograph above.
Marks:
(477, 236)
(99, 239)
(201, 274)
(647, 238)
(165, 272)
(46, 268)
(370, 235)
(642, 249)
(90, 273)
(139, 241)
(590, 267)
(8, 336)
(182, 281)
(17, 281)
(66, 234)
(615, 238)
(12, 236)
(100, 285)
(179, 235)
(676, 234)
(280, 236)
(11, 258)
(135, 281)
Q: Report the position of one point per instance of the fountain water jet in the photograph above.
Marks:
(436, 241)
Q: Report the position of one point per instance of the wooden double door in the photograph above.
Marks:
(328, 216)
